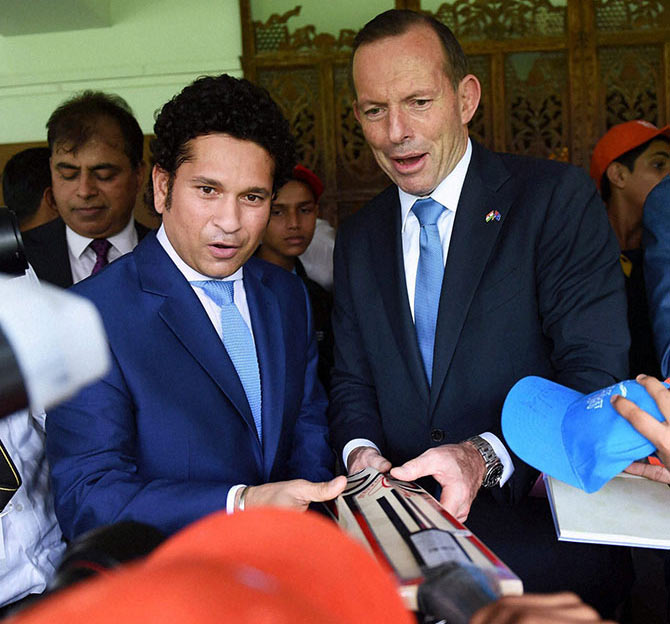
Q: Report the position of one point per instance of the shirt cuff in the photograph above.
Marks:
(355, 443)
(230, 499)
(503, 455)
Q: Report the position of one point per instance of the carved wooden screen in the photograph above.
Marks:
(555, 75)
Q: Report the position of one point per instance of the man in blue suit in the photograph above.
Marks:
(213, 400)
(475, 269)
(656, 239)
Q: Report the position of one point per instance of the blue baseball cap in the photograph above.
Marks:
(577, 438)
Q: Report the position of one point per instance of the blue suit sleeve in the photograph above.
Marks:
(92, 450)
(656, 244)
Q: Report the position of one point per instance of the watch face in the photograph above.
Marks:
(493, 477)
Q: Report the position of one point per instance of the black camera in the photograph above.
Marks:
(12, 255)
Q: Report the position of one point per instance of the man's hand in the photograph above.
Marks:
(563, 608)
(364, 456)
(658, 433)
(649, 471)
(296, 494)
(458, 468)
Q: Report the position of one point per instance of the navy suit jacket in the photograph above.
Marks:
(166, 433)
(46, 250)
(538, 291)
(656, 244)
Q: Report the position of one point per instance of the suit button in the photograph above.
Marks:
(437, 435)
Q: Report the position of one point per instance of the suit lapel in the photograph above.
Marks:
(386, 245)
(48, 253)
(270, 348)
(472, 241)
(184, 315)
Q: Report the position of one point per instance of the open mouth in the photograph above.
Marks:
(408, 163)
(222, 250)
(409, 160)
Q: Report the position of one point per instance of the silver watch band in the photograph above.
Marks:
(494, 467)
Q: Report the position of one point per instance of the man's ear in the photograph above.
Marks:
(160, 181)
(617, 174)
(48, 203)
(469, 94)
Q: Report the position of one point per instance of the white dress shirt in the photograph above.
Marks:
(82, 257)
(31, 543)
(447, 193)
(213, 311)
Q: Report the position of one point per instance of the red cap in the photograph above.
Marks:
(303, 174)
(620, 139)
(260, 565)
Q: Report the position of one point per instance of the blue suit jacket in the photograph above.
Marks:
(537, 292)
(656, 244)
(166, 433)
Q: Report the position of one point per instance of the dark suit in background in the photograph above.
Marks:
(47, 252)
(538, 292)
(168, 431)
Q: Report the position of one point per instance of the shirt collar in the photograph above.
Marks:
(187, 271)
(124, 241)
(448, 192)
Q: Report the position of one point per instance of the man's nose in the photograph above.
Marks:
(399, 127)
(87, 186)
(227, 215)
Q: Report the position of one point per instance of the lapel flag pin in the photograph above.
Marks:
(494, 215)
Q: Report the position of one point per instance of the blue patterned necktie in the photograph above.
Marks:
(239, 343)
(428, 279)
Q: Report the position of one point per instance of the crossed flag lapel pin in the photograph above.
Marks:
(494, 215)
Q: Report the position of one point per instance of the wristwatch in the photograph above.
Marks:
(494, 467)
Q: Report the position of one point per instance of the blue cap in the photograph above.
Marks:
(577, 438)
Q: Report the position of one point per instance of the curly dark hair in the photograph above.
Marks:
(221, 104)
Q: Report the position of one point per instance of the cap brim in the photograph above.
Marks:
(532, 419)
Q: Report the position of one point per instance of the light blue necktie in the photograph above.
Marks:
(428, 279)
(238, 342)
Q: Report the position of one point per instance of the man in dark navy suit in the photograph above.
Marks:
(473, 270)
(96, 173)
(213, 400)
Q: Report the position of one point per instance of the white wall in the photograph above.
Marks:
(151, 51)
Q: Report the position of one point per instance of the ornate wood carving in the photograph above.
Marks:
(537, 112)
(630, 77)
(296, 90)
(502, 19)
(621, 15)
(274, 35)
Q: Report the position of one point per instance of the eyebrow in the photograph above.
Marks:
(205, 181)
(299, 204)
(258, 190)
(98, 167)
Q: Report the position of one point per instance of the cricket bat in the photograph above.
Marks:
(408, 531)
